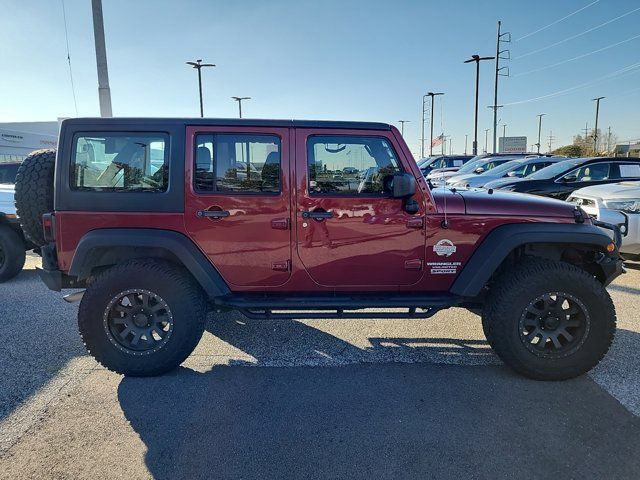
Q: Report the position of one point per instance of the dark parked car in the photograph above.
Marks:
(559, 180)
(452, 162)
(520, 168)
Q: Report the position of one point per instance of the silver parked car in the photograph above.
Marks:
(518, 168)
(618, 204)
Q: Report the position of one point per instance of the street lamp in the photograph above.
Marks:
(595, 131)
(402, 122)
(477, 59)
(539, 129)
(432, 95)
(198, 65)
(486, 139)
(239, 100)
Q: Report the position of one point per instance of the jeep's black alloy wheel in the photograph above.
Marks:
(554, 325)
(138, 321)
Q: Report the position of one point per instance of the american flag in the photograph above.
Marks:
(437, 141)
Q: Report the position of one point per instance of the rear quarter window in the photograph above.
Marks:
(114, 162)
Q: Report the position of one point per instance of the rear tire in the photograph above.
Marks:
(34, 193)
(143, 317)
(12, 253)
(549, 320)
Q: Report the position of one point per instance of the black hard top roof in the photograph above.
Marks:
(247, 122)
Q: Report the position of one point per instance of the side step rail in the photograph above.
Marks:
(412, 312)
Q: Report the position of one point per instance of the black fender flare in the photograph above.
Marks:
(97, 247)
(501, 241)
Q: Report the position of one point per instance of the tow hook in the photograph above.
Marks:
(73, 297)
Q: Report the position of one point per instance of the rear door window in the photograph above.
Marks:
(236, 163)
(114, 162)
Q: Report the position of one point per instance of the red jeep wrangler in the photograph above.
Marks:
(163, 220)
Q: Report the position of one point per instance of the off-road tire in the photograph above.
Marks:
(174, 285)
(486, 327)
(512, 293)
(34, 193)
(12, 253)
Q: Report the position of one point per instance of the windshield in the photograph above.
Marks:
(555, 169)
(471, 165)
(505, 168)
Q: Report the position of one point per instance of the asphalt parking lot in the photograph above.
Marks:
(310, 399)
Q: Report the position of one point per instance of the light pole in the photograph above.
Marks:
(239, 100)
(432, 95)
(539, 129)
(595, 131)
(477, 59)
(486, 139)
(504, 134)
(402, 122)
(104, 93)
(466, 136)
(198, 65)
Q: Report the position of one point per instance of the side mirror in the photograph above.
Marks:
(569, 178)
(479, 170)
(511, 174)
(403, 185)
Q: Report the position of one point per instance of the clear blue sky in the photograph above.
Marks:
(334, 59)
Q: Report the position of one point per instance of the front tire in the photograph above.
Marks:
(549, 320)
(143, 317)
(12, 253)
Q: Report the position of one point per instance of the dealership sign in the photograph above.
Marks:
(512, 144)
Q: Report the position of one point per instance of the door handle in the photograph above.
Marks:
(212, 213)
(317, 215)
(415, 222)
(280, 223)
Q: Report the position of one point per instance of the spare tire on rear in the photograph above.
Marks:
(34, 192)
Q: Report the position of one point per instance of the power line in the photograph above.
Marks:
(628, 69)
(546, 67)
(557, 21)
(577, 35)
(66, 36)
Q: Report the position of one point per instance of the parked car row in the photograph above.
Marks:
(607, 189)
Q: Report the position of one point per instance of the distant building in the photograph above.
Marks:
(19, 139)
(628, 150)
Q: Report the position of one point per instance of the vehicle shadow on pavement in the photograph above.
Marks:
(357, 419)
(378, 421)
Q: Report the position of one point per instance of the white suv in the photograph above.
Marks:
(618, 204)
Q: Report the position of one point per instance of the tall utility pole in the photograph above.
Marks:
(239, 100)
(609, 141)
(466, 136)
(402, 122)
(507, 56)
(551, 139)
(486, 140)
(198, 65)
(450, 140)
(432, 95)
(104, 93)
(477, 59)
(539, 129)
(595, 131)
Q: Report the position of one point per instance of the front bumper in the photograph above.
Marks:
(629, 224)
